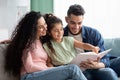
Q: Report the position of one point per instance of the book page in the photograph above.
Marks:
(84, 56)
(88, 55)
(101, 54)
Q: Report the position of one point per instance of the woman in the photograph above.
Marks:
(25, 57)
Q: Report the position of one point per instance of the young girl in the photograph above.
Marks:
(61, 49)
(25, 57)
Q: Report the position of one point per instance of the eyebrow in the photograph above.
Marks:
(75, 22)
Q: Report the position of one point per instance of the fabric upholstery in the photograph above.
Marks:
(114, 44)
(3, 75)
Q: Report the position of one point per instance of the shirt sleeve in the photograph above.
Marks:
(99, 41)
(104, 59)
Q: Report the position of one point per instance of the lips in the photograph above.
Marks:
(59, 36)
(74, 30)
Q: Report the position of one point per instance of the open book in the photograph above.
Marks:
(88, 55)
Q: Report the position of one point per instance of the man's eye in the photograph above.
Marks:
(61, 29)
(72, 22)
(79, 23)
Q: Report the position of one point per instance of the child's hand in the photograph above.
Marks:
(96, 49)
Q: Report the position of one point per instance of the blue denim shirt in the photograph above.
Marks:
(92, 36)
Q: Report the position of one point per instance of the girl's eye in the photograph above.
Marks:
(39, 27)
(56, 30)
(62, 29)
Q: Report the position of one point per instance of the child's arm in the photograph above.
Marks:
(86, 46)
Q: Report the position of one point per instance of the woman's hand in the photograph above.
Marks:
(49, 63)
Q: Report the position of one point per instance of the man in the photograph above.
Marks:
(95, 69)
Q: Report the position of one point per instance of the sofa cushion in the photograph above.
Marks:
(114, 44)
(3, 75)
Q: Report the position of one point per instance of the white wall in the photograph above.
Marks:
(104, 15)
(10, 12)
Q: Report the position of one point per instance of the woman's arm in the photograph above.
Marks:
(31, 64)
(5, 41)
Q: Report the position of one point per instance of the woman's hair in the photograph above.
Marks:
(22, 38)
(51, 20)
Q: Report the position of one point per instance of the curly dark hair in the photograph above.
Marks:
(22, 38)
(76, 10)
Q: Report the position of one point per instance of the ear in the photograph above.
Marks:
(66, 19)
(83, 17)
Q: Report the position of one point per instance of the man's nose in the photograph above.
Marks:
(76, 25)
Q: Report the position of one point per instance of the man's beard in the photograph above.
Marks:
(76, 33)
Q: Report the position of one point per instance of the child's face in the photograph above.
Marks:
(57, 32)
(41, 27)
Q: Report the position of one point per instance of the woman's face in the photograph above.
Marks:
(41, 27)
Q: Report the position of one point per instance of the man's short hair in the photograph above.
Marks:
(76, 10)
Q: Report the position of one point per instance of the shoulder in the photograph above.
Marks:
(68, 37)
(45, 45)
(90, 33)
(89, 29)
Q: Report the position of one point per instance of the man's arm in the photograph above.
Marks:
(100, 42)
(5, 41)
(94, 37)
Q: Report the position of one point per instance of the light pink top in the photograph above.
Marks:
(36, 59)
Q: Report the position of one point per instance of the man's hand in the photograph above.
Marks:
(92, 64)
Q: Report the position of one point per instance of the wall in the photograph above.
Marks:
(12, 10)
(44, 6)
(100, 14)
(10, 13)
(104, 15)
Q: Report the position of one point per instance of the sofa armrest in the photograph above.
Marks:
(3, 75)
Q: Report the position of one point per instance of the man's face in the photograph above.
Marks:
(74, 23)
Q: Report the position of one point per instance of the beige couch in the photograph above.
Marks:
(109, 43)
(3, 75)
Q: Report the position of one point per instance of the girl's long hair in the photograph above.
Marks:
(51, 20)
(22, 38)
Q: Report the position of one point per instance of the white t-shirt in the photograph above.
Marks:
(79, 38)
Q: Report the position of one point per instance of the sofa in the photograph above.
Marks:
(114, 44)
(3, 74)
